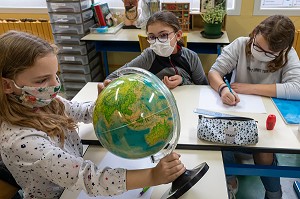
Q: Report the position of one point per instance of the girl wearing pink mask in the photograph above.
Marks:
(166, 57)
(266, 64)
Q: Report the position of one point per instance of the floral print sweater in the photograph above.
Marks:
(44, 170)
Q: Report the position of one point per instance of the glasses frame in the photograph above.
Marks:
(260, 49)
(153, 41)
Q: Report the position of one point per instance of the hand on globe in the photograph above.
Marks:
(102, 86)
(168, 169)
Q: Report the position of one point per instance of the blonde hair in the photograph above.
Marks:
(18, 52)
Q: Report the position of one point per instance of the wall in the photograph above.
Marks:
(235, 25)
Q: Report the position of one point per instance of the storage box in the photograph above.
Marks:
(64, 6)
(75, 18)
(72, 28)
(76, 59)
(83, 69)
(68, 39)
(75, 49)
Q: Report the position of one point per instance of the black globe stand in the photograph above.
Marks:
(186, 181)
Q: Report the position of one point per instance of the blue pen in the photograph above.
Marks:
(228, 85)
(144, 191)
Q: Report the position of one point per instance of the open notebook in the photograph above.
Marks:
(289, 110)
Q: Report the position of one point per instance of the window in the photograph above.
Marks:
(270, 7)
(40, 6)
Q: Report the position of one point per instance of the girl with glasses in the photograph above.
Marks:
(39, 143)
(266, 64)
(166, 57)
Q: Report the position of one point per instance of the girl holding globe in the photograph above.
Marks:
(38, 138)
(166, 57)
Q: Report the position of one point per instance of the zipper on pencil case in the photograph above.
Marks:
(227, 118)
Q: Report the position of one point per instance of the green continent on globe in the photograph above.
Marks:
(132, 117)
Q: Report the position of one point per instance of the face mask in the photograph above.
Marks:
(34, 97)
(260, 55)
(163, 49)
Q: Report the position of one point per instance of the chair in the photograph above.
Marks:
(7, 190)
(145, 44)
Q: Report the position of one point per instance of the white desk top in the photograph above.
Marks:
(282, 137)
(132, 35)
(212, 184)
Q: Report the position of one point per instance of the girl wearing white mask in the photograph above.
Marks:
(39, 143)
(266, 64)
(166, 57)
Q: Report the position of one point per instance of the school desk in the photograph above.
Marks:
(126, 40)
(214, 179)
(282, 139)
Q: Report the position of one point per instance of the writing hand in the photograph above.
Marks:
(230, 98)
(172, 81)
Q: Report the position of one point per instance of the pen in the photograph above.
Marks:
(228, 85)
(144, 191)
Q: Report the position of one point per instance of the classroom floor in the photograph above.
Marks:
(250, 187)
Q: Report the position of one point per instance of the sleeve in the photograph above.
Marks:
(143, 61)
(227, 61)
(198, 74)
(80, 112)
(290, 86)
(66, 170)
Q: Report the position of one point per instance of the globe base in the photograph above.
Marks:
(186, 181)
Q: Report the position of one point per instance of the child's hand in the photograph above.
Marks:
(168, 169)
(173, 81)
(101, 86)
(229, 98)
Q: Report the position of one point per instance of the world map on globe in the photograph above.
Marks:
(133, 118)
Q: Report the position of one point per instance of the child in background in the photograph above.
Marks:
(266, 64)
(166, 57)
(38, 138)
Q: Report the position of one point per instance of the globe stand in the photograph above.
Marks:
(186, 181)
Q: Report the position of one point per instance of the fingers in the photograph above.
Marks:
(230, 98)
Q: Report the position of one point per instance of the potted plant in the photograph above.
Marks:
(213, 19)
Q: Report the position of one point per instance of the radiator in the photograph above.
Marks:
(41, 27)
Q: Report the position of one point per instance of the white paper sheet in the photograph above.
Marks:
(113, 161)
(210, 100)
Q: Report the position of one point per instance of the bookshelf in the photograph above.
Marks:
(182, 11)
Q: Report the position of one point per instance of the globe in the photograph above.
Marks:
(136, 116)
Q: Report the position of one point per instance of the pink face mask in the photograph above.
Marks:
(34, 97)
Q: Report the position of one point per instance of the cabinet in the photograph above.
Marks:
(78, 60)
(182, 11)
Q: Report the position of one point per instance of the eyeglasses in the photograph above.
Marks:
(163, 37)
(260, 49)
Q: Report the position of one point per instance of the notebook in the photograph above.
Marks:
(289, 110)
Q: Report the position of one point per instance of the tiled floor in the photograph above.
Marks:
(250, 187)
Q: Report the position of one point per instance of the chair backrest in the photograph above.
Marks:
(145, 44)
(297, 42)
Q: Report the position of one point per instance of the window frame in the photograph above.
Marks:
(44, 10)
(272, 11)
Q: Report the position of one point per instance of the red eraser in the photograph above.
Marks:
(270, 122)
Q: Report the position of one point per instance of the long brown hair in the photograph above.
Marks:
(167, 18)
(278, 31)
(18, 52)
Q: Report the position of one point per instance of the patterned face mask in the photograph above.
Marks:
(34, 97)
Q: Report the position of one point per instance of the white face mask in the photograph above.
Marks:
(163, 49)
(260, 55)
